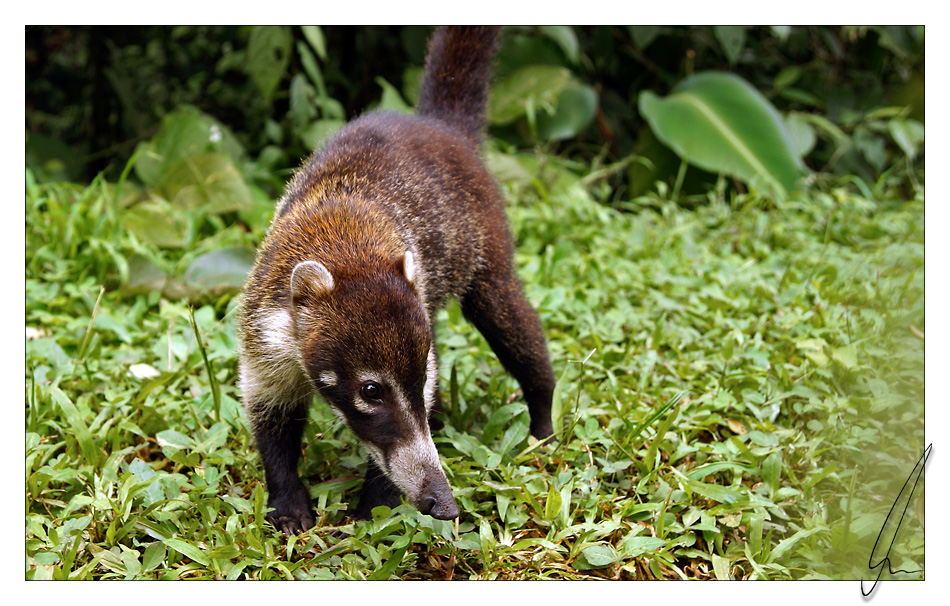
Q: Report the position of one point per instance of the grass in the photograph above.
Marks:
(740, 397)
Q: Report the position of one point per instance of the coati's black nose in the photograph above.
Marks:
(445, 509)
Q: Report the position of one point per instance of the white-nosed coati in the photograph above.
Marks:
(393, 215)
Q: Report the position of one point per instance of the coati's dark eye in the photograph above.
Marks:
(372, 391)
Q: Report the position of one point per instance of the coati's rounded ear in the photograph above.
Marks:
(409, 267)
(310, 278)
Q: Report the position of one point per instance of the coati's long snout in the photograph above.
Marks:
(394, 215)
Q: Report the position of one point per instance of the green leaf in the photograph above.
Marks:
(909, 135)
(732, 40)
(643, 35)
(315, 37)
(387, 570)
(553, 505)
(576, 107)
(268, 55)
(189, 551)
(302, 109)
(154, 556)
(220, 270)
(317, 132)
(184, 132)
(720, 123)
(209, 182)
(801, 134)
(847, 356)
(637, 546)
(565, 38)
(600, 555)
(156, 222)
(721, 567)
(391, 100)
(79, 428)
(530, 85)
(772, 471)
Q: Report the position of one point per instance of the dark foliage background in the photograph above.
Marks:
(94, 93)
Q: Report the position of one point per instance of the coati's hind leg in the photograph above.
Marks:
(496, 305)
(277, 431)
(377, 490)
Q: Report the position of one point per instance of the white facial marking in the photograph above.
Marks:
(432, 379)
(328, 378)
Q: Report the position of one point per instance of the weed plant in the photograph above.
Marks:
(740, 397)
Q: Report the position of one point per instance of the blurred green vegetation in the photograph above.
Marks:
(852, 98)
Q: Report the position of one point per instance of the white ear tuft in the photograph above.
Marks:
(409, 267)
(310, 277)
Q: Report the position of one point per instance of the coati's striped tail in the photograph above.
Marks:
(454, 86)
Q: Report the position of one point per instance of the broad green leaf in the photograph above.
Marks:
(643, 35)
(600, 555)
(268, 55)
(144, 274)
(391, 100)
(302, 108)
(721, 568)
(223, 269)
(565, 38)
(772, 472)
(209, 182)
(185, 132)
(576, 107)
(315, 37)
(532, 84)
(722, 124)
(317, 132)
(732, 40)
(801, 134)
(154, 555)
(909, 135)
(189, 551)
(715, 492)
(847, 356)
(637, 546)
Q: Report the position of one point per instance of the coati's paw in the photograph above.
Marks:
(295, 523)
(291, 515)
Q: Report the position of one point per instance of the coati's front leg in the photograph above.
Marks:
(278, 431)
(377, 490)
(496, 305)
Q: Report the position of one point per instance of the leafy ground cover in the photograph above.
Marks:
(740, 397)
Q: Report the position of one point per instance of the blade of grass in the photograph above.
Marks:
(215, 391)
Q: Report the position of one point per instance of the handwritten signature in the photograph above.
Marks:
(918, 471)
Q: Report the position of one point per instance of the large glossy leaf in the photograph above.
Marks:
(576, 108)
(221, 270)
(720, 123)
(154, 221)
(531, 85)
(184, 132)
(206, 181)
(268, 55)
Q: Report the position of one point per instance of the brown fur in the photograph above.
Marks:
(386, 184)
